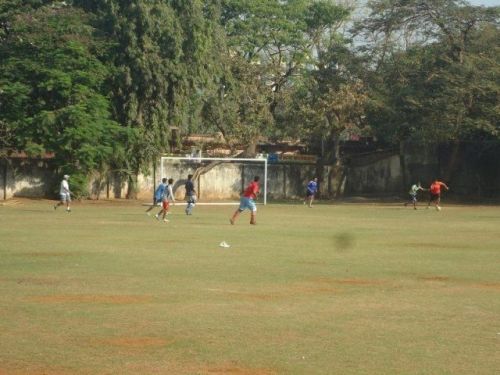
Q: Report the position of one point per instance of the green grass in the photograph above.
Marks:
(337, 289)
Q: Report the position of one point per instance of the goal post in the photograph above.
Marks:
(200, 160)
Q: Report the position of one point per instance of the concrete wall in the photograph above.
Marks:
(472, 171)
(382, 177)
(224, 182)
(227, 180)
(23, 178)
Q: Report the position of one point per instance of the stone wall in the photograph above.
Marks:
(226, 181)
(471, 170)
(26, 178)
(374, 176)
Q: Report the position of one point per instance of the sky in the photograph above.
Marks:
(485, 2)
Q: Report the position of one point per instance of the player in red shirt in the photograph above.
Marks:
(435, 193)
(247, 200)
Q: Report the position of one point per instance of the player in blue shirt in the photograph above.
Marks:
(311, 190)
(168, 195)
(158, 196)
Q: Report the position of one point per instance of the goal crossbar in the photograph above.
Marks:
(200, 159)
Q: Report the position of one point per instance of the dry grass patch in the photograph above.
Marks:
(33, 370)
(86, 298)
(233, 369)
(434, 278)
(437, 245)
(48, 254)
(494, 286)
(38, 281)
(136, 342)
(362, 282)
(279, 293)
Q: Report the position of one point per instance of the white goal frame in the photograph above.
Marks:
(200, 159)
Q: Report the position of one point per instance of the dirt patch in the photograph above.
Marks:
(359, 282)
(33, 370)
(111, 299)
(238, 370)
(259, 296)
(47, 254)
(136, 342)
(314, 289)
(495, 286)
(294, 290)
(366, 282)
(10, 203)
(37, 281)
(434, 278)
(433, 245)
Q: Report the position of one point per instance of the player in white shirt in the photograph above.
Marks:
(64, 194)
(413, 194)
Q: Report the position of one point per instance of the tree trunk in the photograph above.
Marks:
(339, 168)
(251, 150)
(132, 186)
(402, 164)
(342, 172)
(453, 161)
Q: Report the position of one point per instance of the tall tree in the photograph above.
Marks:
(52, 96)
(165, 54)
(439, 84)
(283, 39)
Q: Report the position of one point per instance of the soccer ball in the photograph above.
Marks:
(438, 208)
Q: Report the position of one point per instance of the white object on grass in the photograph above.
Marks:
(224, 244)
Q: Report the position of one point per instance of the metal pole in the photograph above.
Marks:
(265, 181)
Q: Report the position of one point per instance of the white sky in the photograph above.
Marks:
(485, 2)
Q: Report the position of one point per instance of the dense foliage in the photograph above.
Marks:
(101, 83)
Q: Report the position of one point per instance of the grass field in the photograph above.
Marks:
(336, 289)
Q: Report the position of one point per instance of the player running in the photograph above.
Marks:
(435, 193)
(167, 196)
(311, 190)
(415, 188)
(247, 200)
(158, 195)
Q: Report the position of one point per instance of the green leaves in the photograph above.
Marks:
(434, 77)
(100, 83)
(53, 93)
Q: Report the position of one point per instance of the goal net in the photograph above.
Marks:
(215, 179)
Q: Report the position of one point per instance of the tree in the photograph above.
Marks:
(280, 37)
(52, 95)
(440, 83)
(165, 53)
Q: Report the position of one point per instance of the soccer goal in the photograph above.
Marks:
(236, 177)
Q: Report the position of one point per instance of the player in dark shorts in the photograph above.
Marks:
(190, 195)
(311, 190)
(435, 193)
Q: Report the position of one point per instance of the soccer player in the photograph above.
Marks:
(311, 189)
(167, 196)
(415, 188)
(435, 193)
(158, 195)
(64, 194)
(190, 195)
(247, 200)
